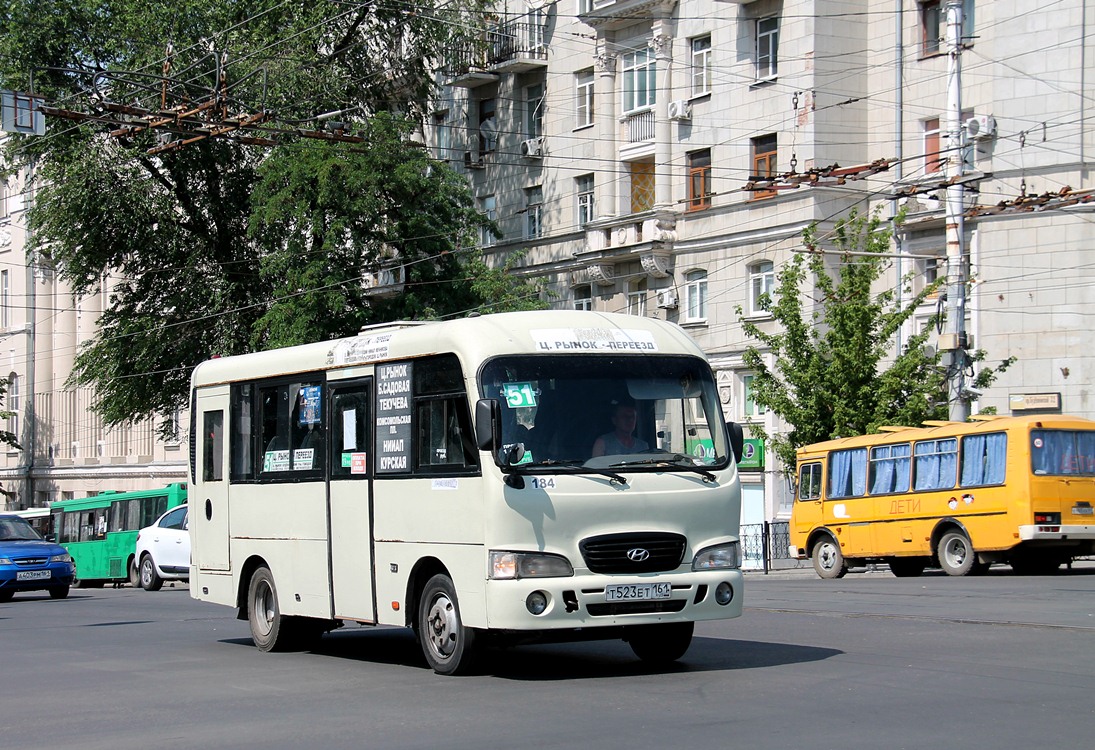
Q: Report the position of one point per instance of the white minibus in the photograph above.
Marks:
(495, 479)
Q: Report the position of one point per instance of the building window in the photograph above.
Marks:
(642, 186)
(583, 98)
(640, 79)
(933, 26)
(764, 162)
(534, 206)
(933, 159)
(701, 65)
(488, 126)
(636, 298)
(583, 298)
(762, 280)
(699, 180)
(585, 7)
(583, 185)
(13, 404)
(488, 206)
(695, 296)
(5, 300)
(3, 199)
(750, 407)
(767, 48)
(534, 110)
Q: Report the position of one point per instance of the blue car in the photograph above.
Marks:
(30, 563)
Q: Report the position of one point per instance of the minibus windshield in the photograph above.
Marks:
(589, 412)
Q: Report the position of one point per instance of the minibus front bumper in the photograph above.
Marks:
(593, 601)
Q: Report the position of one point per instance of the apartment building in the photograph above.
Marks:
(618, 145)
(66, 451)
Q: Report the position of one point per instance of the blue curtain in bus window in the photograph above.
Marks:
(890, 469)
(848, 473)
(1048, 449)
(881, 471)
(1085, 452)
(983, 459)
(936, 464)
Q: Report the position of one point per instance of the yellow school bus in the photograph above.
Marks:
(957, 495)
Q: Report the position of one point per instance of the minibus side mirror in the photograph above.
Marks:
(736, 436)
(488, 425)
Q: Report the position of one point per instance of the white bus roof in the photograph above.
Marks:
(472, 339)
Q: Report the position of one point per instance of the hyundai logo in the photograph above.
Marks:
(638, 554)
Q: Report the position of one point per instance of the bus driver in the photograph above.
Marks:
(620, 440)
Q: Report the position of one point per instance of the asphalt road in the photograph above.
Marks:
(869, 661)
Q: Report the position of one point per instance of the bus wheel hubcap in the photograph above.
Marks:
(441, 626)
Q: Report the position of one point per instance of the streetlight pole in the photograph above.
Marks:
(953, 342)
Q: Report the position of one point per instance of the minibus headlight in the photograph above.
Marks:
(61, 558)
(719, 557)
(510, 565)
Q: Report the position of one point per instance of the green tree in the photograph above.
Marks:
(833, 371)
(222, 246)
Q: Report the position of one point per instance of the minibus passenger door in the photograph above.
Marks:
(208, 496)
(351, 502)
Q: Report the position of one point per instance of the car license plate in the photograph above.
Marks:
(1083, 510)
(637, 591)
(32, 575)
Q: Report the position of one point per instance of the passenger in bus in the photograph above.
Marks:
(620, 440)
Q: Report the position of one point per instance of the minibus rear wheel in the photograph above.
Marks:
(270, 630)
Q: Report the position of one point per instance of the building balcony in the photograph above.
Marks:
(513, 46)
(616, 14)
(647, 237)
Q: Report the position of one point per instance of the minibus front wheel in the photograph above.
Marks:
(448, 645)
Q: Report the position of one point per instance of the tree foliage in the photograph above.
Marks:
(221, 247)
(827, 366)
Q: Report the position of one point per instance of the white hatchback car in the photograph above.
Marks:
(163, 550)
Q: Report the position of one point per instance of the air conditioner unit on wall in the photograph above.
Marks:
(533, 148)
(680, 110)
(473, 160)
(980, 127)
(667, 299)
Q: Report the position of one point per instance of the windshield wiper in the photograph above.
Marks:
(573, 466)
(677, 460)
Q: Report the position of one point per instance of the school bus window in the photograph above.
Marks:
(935, 465)
(1063, 452)
(984, 458)
(848, 473)
(809, 482)
(889, 469)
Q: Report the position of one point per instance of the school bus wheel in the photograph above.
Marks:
(828, 560)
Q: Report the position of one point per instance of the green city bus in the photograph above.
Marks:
(100, 532)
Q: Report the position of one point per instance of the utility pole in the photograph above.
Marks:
(953, 341)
